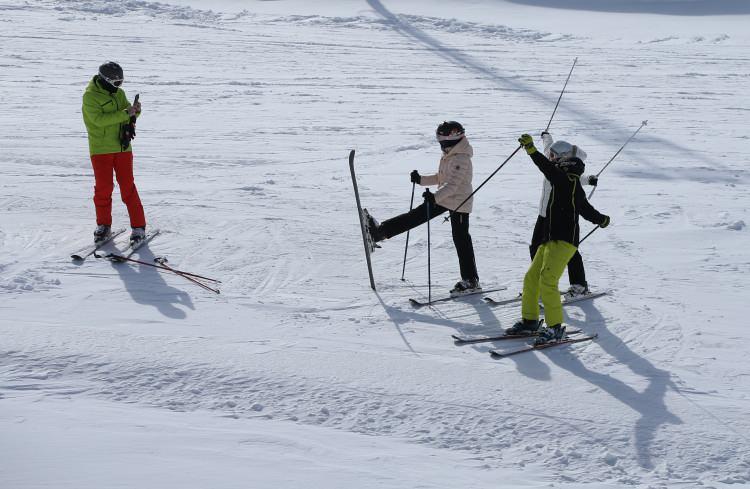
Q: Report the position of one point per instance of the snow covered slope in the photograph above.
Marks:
(298, 374)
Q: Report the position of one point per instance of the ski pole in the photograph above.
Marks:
(120, 258)
(485, 181)
(644, 123)
(429, 277)
(162, 260)
(411, 205)
(590, 232)
(561, 93)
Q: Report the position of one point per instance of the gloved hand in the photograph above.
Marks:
(528, 143)
(137, 106)
(593, 180)
(133, 110)
(429, 197)
(604, 223)
(415, 177)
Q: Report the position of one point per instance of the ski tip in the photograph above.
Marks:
(415, 303)
(76, 257)
(496, 354)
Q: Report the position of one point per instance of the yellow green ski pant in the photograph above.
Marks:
(542, 280)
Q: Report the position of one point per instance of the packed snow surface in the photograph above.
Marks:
(298, 374)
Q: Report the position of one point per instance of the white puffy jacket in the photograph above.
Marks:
(453, 178)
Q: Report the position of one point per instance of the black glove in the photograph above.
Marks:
(593, 180)
(605, 222)
(415, 177)
(429, 197)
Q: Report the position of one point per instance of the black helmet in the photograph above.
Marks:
(449, 133)
(111, 73)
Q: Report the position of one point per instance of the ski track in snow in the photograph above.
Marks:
(241, 158)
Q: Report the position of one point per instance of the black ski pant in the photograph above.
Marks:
(576, 273)
(459, 227)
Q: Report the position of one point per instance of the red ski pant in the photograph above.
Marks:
(122, 166)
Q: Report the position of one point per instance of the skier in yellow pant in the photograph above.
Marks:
(559, 244)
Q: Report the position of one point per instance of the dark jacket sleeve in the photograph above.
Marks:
(550, 171)
(585, 209)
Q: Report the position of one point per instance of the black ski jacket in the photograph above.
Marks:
(566, 202)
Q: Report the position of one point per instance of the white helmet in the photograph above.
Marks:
(563, 149)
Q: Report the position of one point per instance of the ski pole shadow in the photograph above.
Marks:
(147, 286)
(694, 8)
(399, 317)
(648, 402)
(467, 62)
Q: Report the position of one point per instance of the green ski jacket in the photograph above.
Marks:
(104, 113)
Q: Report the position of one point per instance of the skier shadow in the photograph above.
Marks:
(648, 402)
(147, 286)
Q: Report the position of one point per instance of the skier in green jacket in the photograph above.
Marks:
(110, 123)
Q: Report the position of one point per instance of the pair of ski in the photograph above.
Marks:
(501, 354)
(93, 248)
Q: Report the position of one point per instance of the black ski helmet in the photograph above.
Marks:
(111, 73)
(449, 133)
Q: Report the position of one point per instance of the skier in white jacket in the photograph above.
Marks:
(453, 180)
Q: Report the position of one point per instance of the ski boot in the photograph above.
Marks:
(101, 233)
(465, 287)
(525, 326)
(137, 236)
(550, 335)
(575, 291)
(371, 231)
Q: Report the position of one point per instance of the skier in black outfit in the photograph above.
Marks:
(559, 242)
(555, 151)
(454, 186)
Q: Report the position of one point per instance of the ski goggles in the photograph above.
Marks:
(112, 81)
(449, 137)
